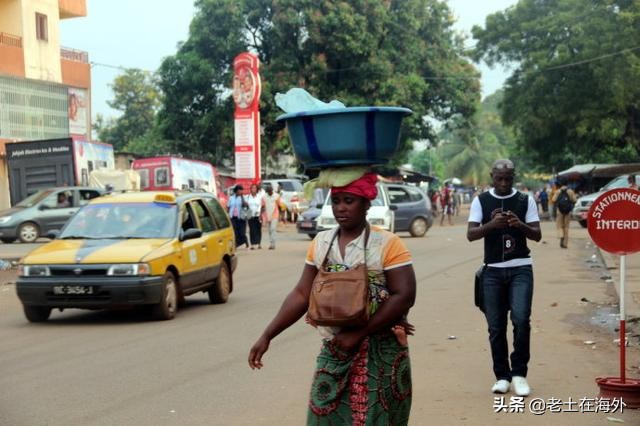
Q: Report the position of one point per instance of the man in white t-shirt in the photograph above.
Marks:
(506, 219)
(272, 213)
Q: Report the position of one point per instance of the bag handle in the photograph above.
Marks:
(366, 241)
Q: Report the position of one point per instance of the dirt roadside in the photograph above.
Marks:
(574, 325)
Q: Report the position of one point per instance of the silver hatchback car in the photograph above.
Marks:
(43, 211)
(412, 208)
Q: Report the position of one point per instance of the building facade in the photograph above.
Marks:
(45, 89)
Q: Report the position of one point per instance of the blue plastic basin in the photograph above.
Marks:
(345, 136)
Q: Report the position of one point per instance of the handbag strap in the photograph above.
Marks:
(366, 241)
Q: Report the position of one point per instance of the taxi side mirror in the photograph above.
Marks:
(191, 234)
(393, 207)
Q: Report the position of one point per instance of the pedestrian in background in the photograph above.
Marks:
(505, 219)
(552, 205)
(435, 197)
(238, 211)
(458, 199)
(363, 373)
(564, 199)
(256, 207)
(633, 183)
(271, 213)
(282, 206)
(543, 198)
(454, 202)
(447, 205)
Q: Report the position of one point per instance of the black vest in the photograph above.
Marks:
(509, 243)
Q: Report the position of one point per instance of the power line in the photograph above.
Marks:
(597, 58)
(119, 67)
(433, 78)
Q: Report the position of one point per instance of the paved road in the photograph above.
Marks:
(99, 368)
(16, 250)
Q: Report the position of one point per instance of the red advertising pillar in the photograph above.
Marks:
(246, 95)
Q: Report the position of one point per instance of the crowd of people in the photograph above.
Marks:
(260, 207)
(446, 202)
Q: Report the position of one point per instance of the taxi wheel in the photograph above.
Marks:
(219, 291)
(28, 232)
(418, 227)
(166, 309)
(583, 223)
(36, 313)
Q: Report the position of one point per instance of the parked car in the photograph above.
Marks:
(137, 248)
(412, 211)
(582, 205)
(380, 213)
(307, 220)
(42, 212)
(291, 192)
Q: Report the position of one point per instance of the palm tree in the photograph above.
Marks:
(470, 157)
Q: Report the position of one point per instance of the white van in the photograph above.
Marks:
(380, 213)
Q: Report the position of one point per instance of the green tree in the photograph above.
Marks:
(136, 96)
(362, 52)
(150, 144)
(573, 95)
(468, 154)
(427, 162)
(468, 148)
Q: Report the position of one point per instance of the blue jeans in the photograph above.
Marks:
(508, 289)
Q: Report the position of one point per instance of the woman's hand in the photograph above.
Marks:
(256, 352)
(348, 340)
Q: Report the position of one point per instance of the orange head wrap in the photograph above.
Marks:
(364, 186)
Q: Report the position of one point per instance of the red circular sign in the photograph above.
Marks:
(614, 221)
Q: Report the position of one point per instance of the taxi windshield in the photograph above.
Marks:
(122, 221)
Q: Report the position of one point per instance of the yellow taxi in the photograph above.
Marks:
(132, 248)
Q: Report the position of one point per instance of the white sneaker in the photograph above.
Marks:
(520, 386)
(501, 386)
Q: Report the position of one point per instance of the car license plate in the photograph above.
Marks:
(72, 289)
(306, 225)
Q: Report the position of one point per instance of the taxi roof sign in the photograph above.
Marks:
(164, 198)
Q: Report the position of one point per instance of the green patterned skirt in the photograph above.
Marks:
(370, 387)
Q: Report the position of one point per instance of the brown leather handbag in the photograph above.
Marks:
(340, 299)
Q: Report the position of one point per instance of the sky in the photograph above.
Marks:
(140, 33)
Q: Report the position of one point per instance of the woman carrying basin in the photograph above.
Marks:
(363, 372)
